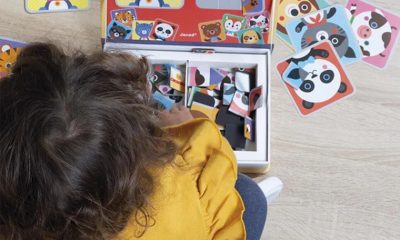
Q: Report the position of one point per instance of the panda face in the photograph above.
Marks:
(369, 28)
(321, 81)
(164, 31)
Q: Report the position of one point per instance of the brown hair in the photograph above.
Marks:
(77, 140)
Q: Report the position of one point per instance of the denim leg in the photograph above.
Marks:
(255, 213)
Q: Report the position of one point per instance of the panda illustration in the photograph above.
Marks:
(163, 31)
(58, 5)
(373, 31)
(149, 3)
(315, 79)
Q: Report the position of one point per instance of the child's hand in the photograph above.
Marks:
(177, 115)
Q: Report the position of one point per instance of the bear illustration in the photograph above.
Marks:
(211, 32)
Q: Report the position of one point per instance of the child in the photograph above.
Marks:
(83, 156)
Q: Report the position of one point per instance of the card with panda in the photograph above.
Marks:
(289, 9)
(376, 29)
(329, 23)
(43, 6)
(9, 50)
(315, 78)
(163, 30)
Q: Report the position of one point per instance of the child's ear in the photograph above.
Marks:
(294, 74)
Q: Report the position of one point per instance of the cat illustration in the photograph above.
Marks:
(143, 30)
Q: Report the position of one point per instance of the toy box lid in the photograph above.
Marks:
(186, 24)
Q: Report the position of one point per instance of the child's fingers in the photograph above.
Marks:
(174, 109)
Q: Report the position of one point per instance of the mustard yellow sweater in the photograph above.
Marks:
(195, 197)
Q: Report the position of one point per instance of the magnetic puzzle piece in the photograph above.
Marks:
(163, 100)
(225, 116)
(240, 104)
(235, 136)
(208, 111)
(242, 81)
(216, 77)
(40, 6)
(255, 99)
(249, 129)
(199, 76)
(177, 80)
(229, 92)
(205, 99)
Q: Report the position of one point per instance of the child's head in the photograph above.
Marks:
(77, 137)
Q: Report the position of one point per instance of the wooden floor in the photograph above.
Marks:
(340, 167)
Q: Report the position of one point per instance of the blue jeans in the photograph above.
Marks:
(256, 206)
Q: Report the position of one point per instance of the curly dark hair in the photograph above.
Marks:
(77, 141)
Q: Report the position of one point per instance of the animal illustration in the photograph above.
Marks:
(288, 9)
(163, 31)
(8, 59)
(118, 32)
(318, 29)
(149, 3)
(58, 5)
(211, 31)
(143, 30)
(125, 17)
(251, 37)
(314, 78)
(373, 31)
(250, 5)
(233, 24)
(261, 21)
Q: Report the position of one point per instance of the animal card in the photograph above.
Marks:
(376, 30)
(163, 30)
(251, 36)
(329, 23)
(141, 29)
(118, 31)
(240, 104)
(124, 16)
(9, 50)
(212, 31)
(315, 78)
(42, 6)
(232, 24)
(150, 3)
(289, 9)
(252, 6)
(261, 21)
